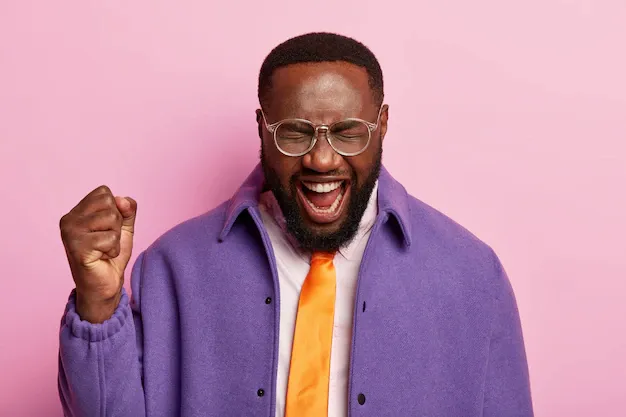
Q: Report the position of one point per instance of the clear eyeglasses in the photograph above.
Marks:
(296, 137)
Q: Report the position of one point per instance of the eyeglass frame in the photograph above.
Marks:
(371, 127)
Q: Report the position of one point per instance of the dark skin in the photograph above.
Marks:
(323, 93)
(98, 232)
(98, 238)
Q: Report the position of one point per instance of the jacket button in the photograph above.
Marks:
(260, 393)
(361, 399)
(268, 300)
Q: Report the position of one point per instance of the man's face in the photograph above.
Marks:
(322, 194)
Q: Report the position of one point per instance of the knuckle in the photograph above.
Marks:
(103, 189)
(111, 241)
(63, 222)
(113, 237)
(108, 199)
(65, 225)
(113, 216)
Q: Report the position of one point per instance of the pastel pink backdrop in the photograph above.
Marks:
(507, 116)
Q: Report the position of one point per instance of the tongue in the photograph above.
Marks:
(322, 200)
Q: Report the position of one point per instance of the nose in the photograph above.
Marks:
(322, 158)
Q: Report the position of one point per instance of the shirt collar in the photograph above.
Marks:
(391, 197)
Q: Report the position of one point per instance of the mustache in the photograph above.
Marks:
(312, 173)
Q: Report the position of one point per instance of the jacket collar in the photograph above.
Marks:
(393, 201)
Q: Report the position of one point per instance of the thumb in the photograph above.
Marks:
(128, 208)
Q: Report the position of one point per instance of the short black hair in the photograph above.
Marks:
(321, 47)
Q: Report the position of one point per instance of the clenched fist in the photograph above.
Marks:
(98, 239)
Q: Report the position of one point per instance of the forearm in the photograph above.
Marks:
(99, 368)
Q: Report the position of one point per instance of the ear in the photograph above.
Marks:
(384, 118)
(259, 122)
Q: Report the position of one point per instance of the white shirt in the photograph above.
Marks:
(293, 266)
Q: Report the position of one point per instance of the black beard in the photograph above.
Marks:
(307, 238)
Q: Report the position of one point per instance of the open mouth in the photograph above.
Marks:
(323, 201)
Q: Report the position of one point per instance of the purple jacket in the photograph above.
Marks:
(436, 327)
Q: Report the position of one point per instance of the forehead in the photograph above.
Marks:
(320, 90)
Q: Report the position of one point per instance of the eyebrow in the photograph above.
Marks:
(346, 123)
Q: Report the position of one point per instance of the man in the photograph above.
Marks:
(320, 289)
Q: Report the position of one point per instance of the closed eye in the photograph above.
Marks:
(349, 129)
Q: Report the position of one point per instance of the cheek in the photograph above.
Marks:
(362, 166)
(285, 167)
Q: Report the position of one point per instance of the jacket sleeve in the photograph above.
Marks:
(507, 386)
(100, 372)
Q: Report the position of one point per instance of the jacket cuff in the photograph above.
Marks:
(96, 332)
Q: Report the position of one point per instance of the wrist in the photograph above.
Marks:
(96, 309)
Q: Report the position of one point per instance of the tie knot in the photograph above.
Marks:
(322, 256)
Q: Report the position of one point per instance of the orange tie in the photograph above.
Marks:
(307, 389)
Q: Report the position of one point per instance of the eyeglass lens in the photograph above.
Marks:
(349, 136)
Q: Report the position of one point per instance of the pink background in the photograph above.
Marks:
(508, 116)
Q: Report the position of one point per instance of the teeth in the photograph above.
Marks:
(320, 187)
(330, 209)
